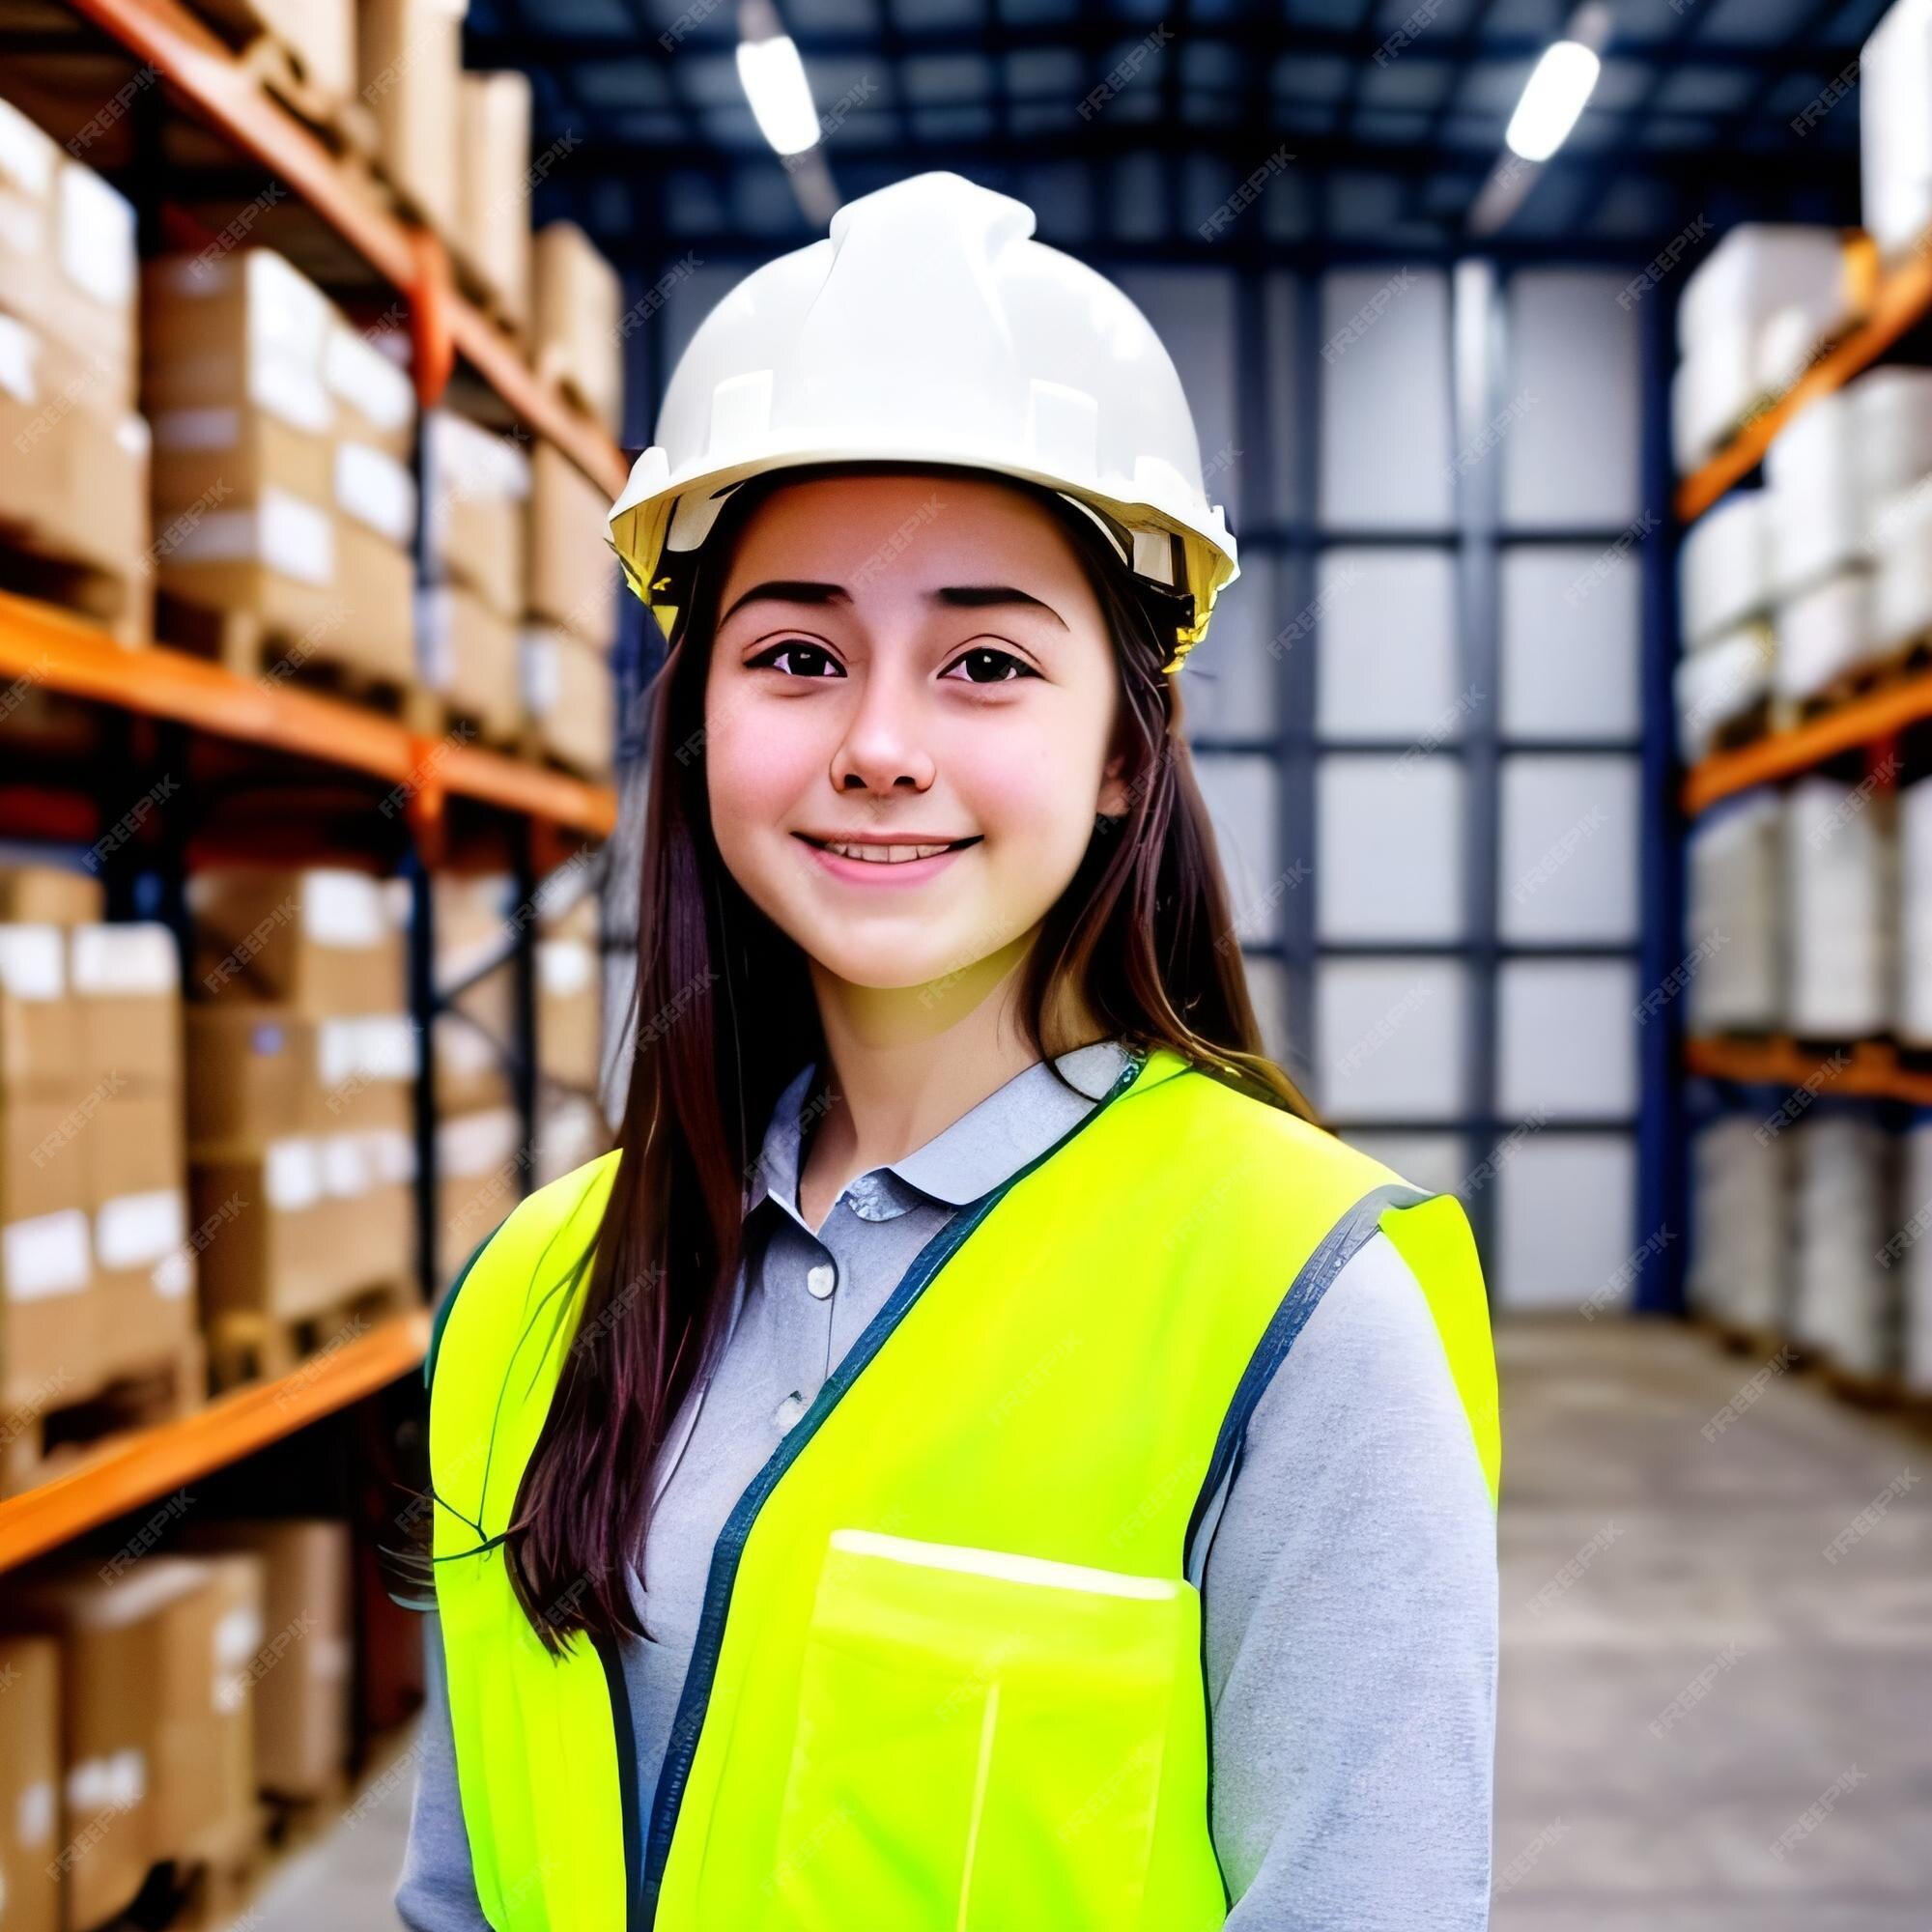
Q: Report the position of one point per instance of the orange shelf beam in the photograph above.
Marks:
(1849, 728)
(134, 1468)
(43, 644)
(203, 71)
(1866, 1069)
(1904, 298)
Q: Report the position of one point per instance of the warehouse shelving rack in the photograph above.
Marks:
(160, 700)
(1865, 727)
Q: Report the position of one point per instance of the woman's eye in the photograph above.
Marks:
(994, 665)
(807, 659)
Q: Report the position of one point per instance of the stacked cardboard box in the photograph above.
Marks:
(493, 189)
(30, 1782)
(302, 1061)
(127, 997)
(74, 488)
(572, 618)
(282, 491)
(577, 303)
(94, 1263)
(317, 35)
(410, 53)
(155, 1670)
(302, 1704)
(478, 487)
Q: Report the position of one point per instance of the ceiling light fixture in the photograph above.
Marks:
(1559, 86)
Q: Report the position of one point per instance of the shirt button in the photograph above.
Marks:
(821, 1280)
(789, 1411)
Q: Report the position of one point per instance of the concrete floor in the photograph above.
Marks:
(1707, 1723)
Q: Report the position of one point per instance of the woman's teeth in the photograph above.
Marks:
(887, 855)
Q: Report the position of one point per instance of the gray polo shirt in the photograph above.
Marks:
(1348, 1579)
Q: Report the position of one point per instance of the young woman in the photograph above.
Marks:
(977, 1454)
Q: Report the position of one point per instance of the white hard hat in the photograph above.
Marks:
(928, 328)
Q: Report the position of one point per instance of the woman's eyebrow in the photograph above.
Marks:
(978, 596)
(789, 590)
(956, 596)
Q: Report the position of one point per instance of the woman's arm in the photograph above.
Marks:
(438, 1892)
(1350, 1610)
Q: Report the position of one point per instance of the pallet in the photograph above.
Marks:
(346, 125)
(531, 750)
(242, 642)
(1911, 661)
(42, 1444)
(1746, 727)
(121, 603)
(550, 367)
(208, 1890)
(251, 1346)
(1743, 1338)
(445, 718)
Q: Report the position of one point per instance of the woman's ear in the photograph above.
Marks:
(1115, 794)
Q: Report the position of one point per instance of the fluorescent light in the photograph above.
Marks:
(1553, 98)
(780, 97)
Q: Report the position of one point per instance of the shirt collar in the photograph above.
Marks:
(988, 1144)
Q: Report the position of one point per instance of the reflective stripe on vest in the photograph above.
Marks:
(948, 1672)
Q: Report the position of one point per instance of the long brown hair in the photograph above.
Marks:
(724, 1019)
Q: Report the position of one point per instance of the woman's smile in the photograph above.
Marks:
(872, 861)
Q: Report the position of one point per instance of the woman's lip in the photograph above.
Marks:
(880, 872)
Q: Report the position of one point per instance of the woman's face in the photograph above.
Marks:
(907, 661)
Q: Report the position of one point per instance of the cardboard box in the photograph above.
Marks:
(33, 478)
(468, 653)
(29, 160)
(39, 1022)
(204, 1756)
(30, 1781)
(274, 558)
(571, 695)
(372, 622)
(364, 1075)
(126, 979)
(477, 1177)
(493, 212)
(410, 53)
(244, 327)
(310, 1221)
(50, 895)
(105, 516)
(75, 480)
(569, 1012)
(475, 508)
(577, 302)
(573, 572)
(138, 1198)
(301, 1693)
(375, 400)
(50, 1340)
(115, 1637)
(208, 455)
(95, 298)
(318, 36)
(320, 941)
(260, 1072)
(270, 1232)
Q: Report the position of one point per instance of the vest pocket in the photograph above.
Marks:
(984, 1741)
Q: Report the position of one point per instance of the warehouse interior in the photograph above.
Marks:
(1567, 734)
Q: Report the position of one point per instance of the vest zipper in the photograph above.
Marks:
(695, 1697)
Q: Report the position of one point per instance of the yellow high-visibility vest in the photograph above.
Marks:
(948, 1674)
